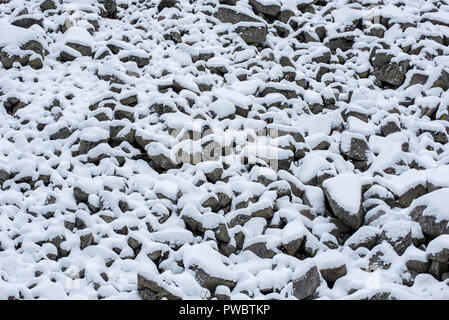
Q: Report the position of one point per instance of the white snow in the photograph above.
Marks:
(345, 189)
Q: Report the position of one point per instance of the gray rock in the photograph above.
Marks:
(65, 56)
(111, 8)
(438, 249)
(27, 22)
(80, 195)
(228, 14)
(268, 88)
(4, 176)
(84, 50)
(357, 150)
(166, 4)
(86, 240)
(442, 81)
(406, 199)
(265, 213)
(12, 104)
(260, 249)
(228, 2)
(389, 127)
(271, 9)
(252, 34)
(386, 71)
(306, 285)
(293, 246)
(333, 274)
(214, 175)
(48, 5)
(365, 237)
(86, 146)
(140, 61)
(352, 219)
(130, 101)
(399, 238)
(163, 161)
(417, 265)
(151, 290)
(342, 42)
(418, 78)
(24, 58)
(285, 15)
(62, 133)
(34, 46)
(211, 282)
(429, 224)
(437, 269)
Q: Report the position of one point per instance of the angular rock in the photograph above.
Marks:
(344, 194)
(252, 34)
(306, 279)
(438, 249)
(111, 8)
(331, 265)
(430, 211)
(398, 234)
(151, 290)
(343, 42)
(166, 4)
(269, 8)
(365, 237)
(388, 71)
(228, 14)
(354, 146)
(48, 5)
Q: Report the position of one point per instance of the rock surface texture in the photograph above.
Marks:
(224, 149)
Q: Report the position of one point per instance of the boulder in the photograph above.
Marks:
(150, 289)
(229, 14)
(386, 69)
(251, 33)
(344, 193)
(111, 8)
(438, 249)
(430, 211)
(331, 265)
(398, 234)
(306, 279)
(354, 146)
(166, 4)
(365, 237)
(48, 5)
(269, 8)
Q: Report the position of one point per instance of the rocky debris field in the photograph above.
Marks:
(232, 149)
